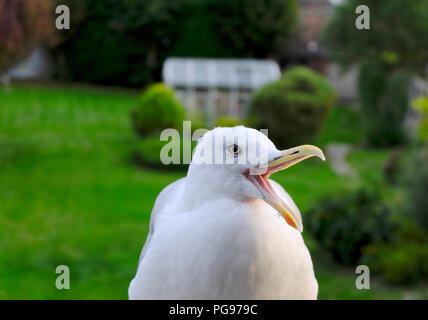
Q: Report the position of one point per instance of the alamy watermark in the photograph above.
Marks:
(62, 282)
(363, 280)
(215, 146)
(63, 20)
(363, 20)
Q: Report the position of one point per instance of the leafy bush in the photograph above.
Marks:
(120, 42)
(294, 107)
(393, 56)
(157, 110)
(404, 260)
(383, 99)
(125, 42)
(398, 37)
(416, 187)
(401, 263)
(246, 24)
(392, 167)
(197, 34)
(228, 122)
(421, 104)
(345, 224)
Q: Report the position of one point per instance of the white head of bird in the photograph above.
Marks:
(238, 162)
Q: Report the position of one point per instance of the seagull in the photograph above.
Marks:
(227, 231)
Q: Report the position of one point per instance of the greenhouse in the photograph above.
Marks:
(217, 87)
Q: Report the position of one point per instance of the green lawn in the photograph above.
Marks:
(69, 194)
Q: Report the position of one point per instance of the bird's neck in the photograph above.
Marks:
(202, 187)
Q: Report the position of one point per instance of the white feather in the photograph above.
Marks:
(212, 237)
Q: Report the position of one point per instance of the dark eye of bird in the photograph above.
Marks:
(234, 148)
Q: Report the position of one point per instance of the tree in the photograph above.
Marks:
(120, 42)
(388, 53)
(254, 27)
(133, 37)
(197, 35)
(23, 25)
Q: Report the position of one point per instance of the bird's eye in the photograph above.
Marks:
(234, 149)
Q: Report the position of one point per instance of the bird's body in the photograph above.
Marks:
(208, 244)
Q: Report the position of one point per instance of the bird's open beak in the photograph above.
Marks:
(260, 177)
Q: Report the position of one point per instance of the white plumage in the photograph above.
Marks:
(213, 235)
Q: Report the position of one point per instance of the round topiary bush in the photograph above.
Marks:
(157, 109)
(294, 107)
(345, 224)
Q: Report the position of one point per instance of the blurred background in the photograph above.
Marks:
(81, 110)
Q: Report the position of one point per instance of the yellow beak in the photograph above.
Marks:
(295, 155)
(260, 177)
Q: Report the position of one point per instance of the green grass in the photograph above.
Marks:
(69, 194)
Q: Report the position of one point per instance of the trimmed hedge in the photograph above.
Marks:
(346, 223)
(157, 110)
(294, 107)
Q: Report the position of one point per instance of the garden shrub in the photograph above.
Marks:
(121, 43)
(245, 25)
(404, 260)
(392, 167)
(197, 35)
(157, 109)
(421, 104)
(125, 43)
(344, 224)
(383, 100)
(398, 37)
(409, 230)
(416, 187)
(228, 122)
(399, 263)
(294, 107)
(388, 55)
